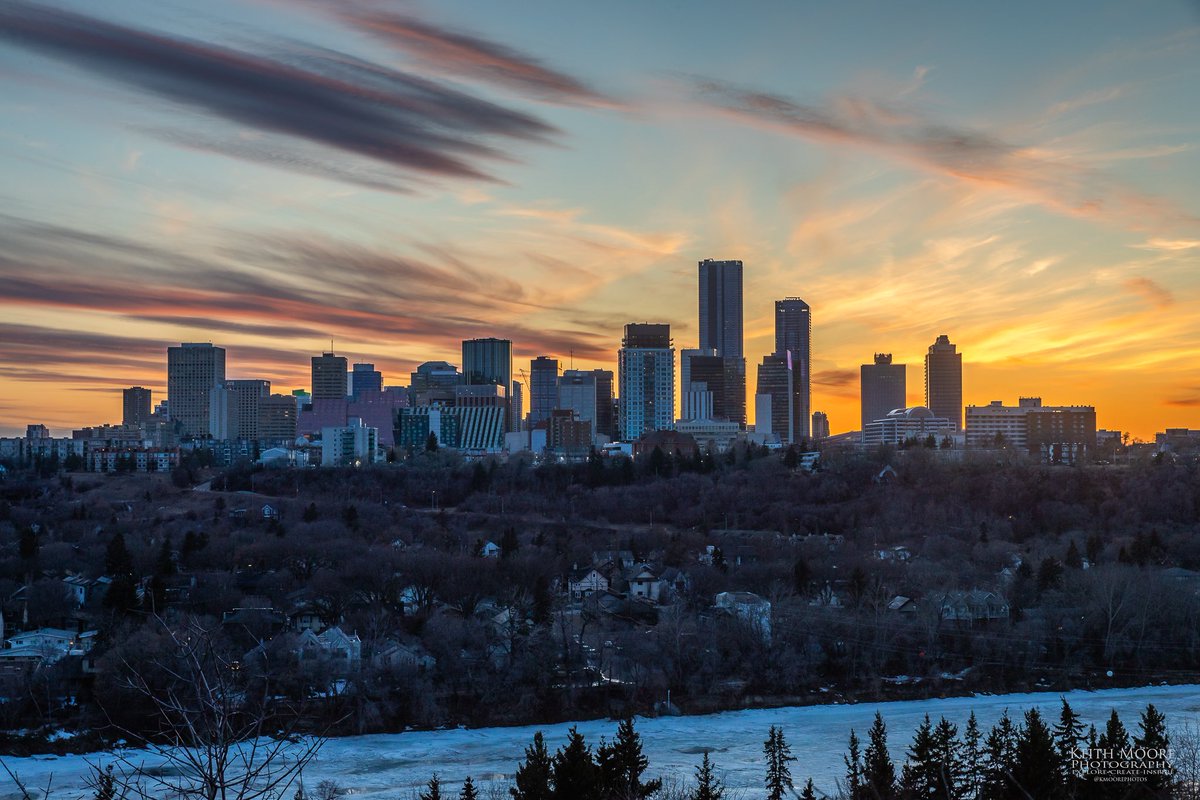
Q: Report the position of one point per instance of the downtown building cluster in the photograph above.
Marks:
(348, 416)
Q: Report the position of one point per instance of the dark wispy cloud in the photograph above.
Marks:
(322, 98)
(1152, 292)
(277, 286)
(835, 377)
(904, 133)
(460, 53)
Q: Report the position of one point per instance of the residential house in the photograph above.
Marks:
(47, 645)
(585, 581)
(645, 584)
(753, 610)
(333, 646)
(621, 558)
(976, 605)
(400, 655)
(490, 550)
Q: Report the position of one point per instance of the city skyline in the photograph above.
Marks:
(1041, 210)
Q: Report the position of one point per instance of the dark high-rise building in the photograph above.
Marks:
(193, 371)
(328, 377)
(516, 405)
(943, 381)
(277, 419)
(247, 402)
(646, 374)
(135, 405)
(793, 334)
(489, 361)
(882, 388)
(775, 381)
(543, 389)
(721, 307)
(364, 377)
(606, 408)
(435, 375)
(820, 425)
(721, 331)
(725, 380)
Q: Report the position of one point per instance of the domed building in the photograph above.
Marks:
(904, 424)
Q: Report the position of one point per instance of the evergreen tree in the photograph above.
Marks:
(1115, 737)
(622, 764)
(801, 576)
(434, 790)
(28, 545)
(972, 758)
(574, 771)
(809, 793)
(1073, 559)
(1068, 737)
(919, 776)
(879, 774)
(165, 563)
(853, 760)
(509, 544)
(117, 560)
(779, 774)
(533, 776)
(1154, 737)
(468, 790)
(708, 786)
(1036, 769)
(948, 756)
(1000, 754)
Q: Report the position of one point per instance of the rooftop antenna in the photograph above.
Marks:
(572, 360)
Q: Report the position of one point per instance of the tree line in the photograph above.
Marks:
(1028, 760)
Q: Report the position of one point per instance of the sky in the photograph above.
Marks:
(397, 176)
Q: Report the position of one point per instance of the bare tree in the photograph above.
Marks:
(216, 730)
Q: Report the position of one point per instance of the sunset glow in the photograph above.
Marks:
(398, 177)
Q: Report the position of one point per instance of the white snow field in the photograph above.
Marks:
(394, 765)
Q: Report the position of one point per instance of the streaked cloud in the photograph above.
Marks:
(904, 133)
(459, 53)
(362, 110)
(1152, 292)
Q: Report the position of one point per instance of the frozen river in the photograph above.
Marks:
(392, 765)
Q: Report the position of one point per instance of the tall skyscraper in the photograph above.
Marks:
(820, 425)
(776, 381)
(516, 406)
(364, 377)
(543, 389)
(943, 381)
(721, 307)
(882, 388)
(328, 377)
(646, 375)
(193, 369)
(277, 416)
(793, 334)
(489, 361)
(135, 405)
(720, 322)
(247, 398)
(695, 395)
(606, 409)
(577, 393)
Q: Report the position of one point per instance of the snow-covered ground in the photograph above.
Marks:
(391, 765)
